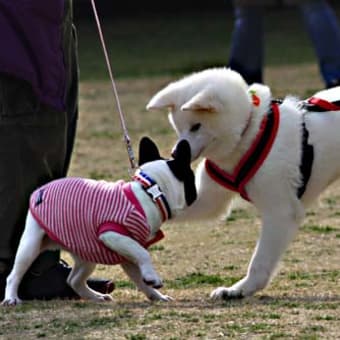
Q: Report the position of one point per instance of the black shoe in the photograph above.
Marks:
(100, 285)
(4, 271)
(2, 286)
(52, 284)
(103, 286)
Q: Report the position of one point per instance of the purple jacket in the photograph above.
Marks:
(31, 46)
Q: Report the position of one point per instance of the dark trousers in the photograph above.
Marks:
(36, 143)
(247, 46)
(32, 152)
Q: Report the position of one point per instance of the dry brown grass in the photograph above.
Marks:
(302, 302)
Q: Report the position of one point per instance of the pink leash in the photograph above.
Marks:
(114, 88)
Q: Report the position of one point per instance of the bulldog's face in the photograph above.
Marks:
(174, 176)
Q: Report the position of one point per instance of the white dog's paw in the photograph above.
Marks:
(11, 302)
(157, 296)
(224, 293)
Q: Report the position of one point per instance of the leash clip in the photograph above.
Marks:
(154, 192)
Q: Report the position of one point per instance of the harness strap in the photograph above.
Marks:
(307, 158)
(312, 104)
(252, 159)
(154, 191)
(320, 105)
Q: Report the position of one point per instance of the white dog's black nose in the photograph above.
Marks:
(173, 151)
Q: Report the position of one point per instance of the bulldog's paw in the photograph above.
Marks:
(10, 302)
(103, 298)
(158, 296)
(107, 297)
(223, 293)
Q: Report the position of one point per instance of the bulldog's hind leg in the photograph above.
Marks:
(28, 250)
(78, 277)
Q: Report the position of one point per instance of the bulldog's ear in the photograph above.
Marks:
(180, 167)
(180, 164)
(183, 153)
(201, 102)
(163, 99)
(148, 151)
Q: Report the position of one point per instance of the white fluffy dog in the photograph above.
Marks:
(278, 155)
(104, 222)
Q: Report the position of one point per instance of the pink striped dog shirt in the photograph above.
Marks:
(75, 211)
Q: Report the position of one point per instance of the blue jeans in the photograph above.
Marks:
(247, 44)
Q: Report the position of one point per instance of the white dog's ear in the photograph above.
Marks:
(162, 100)
(201, 102)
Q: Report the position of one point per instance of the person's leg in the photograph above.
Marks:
(324, 30)
(32, 149)
(247, 45)
(49, 259)
(48, 262)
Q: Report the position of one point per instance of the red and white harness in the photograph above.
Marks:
(252, 159)
(257, 153)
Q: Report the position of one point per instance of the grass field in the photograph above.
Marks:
(303, 301)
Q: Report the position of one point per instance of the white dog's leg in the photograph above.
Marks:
(78, 277)
(132, 270)
(135, 253)
(212, 199)
(28, 250)
(277, 232)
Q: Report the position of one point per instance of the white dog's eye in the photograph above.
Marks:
(195, 127)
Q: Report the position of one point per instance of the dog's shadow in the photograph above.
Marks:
(309, 302)
(291, 301)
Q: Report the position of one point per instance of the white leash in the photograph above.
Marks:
(114, 88)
